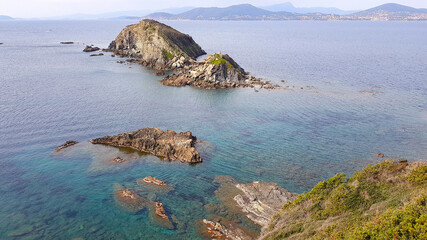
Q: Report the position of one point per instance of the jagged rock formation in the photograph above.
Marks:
(167, 144)
(156, 45)
(162, 48)
(261, 200)
(216, 71)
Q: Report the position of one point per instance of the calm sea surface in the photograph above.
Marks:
(324, 124)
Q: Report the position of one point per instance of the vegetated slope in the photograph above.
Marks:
(384, 201)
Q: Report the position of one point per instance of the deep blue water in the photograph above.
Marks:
(50, 93)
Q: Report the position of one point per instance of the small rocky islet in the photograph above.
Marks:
(166, 144)
(162, 48)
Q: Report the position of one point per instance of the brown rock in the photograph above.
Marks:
(168, 144)
(128, 200)
(222, 230)
(119, 160)
(160, 211)
(153, 180)
(65, 145)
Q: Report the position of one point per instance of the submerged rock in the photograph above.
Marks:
(65, 145)
(167, 144)
(380, 155)
(156, 45)
(119, 160)
(91, 48)
(128, 200)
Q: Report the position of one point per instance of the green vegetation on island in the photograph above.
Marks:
(384, 201)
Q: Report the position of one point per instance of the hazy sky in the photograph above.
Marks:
(48, 8)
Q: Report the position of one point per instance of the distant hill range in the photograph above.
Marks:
(289, 7)
(386, 12)
(5, 18)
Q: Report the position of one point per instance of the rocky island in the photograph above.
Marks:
(166, 144)
(162, 48)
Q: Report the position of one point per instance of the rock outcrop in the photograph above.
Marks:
(163, 48)
(160, 211)
(216, 71)
(156, 45)
(258, 200)
(167, 144)
(261, 200)
(152, 180)
(91, 48)
(65, 145)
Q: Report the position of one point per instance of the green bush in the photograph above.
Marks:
(418, 175)
(409, 222)
(217, 60)
(167, 54)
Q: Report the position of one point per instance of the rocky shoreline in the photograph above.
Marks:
(167, 144)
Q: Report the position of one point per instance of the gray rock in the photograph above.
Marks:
(261, 200)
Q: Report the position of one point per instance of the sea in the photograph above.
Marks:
(353, 89)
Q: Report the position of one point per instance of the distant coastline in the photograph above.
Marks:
(248, 12)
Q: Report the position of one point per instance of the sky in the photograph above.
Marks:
(52, 8)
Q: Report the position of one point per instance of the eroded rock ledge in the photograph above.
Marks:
(163, 48)
(167, 144)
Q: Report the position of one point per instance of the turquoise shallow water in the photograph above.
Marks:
(51, 93)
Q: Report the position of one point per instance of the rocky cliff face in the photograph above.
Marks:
(167, 144)
(156, 45)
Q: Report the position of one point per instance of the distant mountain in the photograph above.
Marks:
(288, 7)
(5, 18)
(243, 11)
(393, 7)
(286, 11)
(393, 11)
